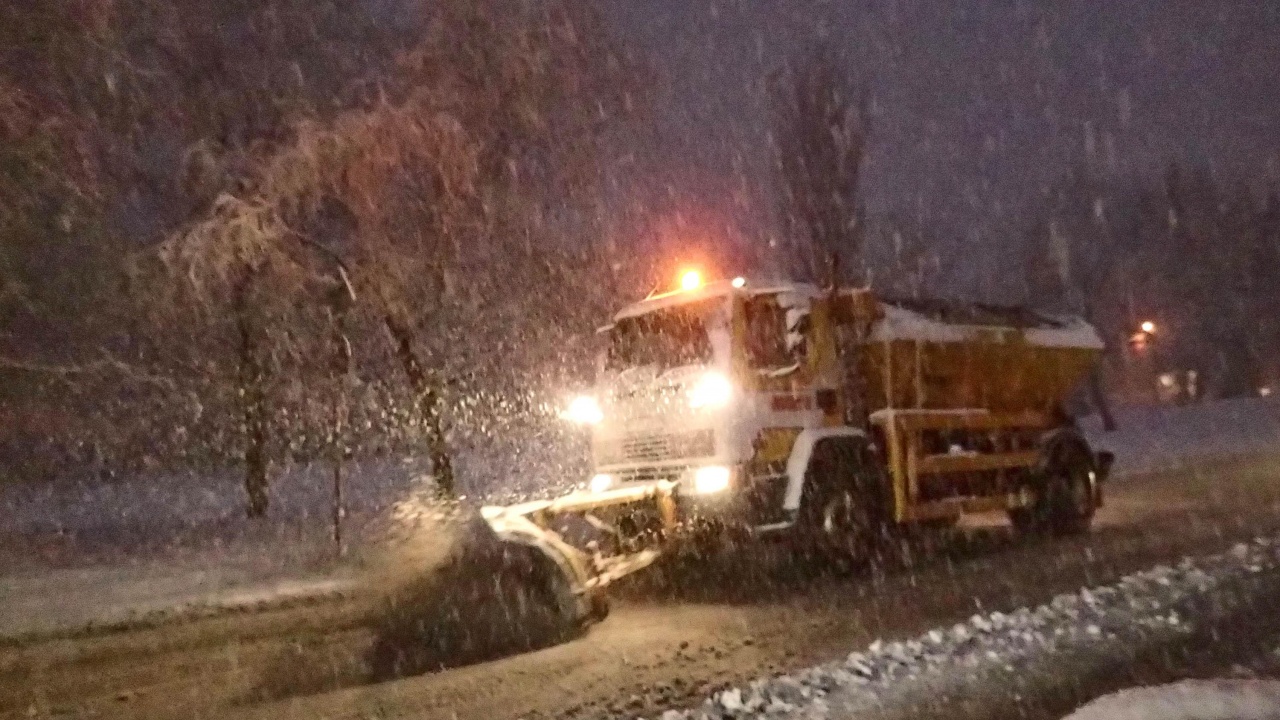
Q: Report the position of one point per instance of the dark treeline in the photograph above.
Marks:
(261, 231)
(1196, 255)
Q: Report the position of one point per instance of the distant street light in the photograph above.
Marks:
(1143, 337)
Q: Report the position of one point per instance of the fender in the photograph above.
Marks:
(1059, 439)
(802, 453)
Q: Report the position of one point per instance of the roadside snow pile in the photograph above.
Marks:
(107, 599)
(1189, 700)
(999, 650)
(199, 518)
(149, 506)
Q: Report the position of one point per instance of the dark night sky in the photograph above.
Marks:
(978, 104)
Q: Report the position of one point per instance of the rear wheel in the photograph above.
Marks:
(841, 512)
(1063, 502)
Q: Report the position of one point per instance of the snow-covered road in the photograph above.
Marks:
(675, 649)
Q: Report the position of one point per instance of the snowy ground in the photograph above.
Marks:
(123, 553)
(1013, 655)
(189, 519)
(1149, 439)
(1224, 699)
(113, 597)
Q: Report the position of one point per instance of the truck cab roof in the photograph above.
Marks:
(713, 289)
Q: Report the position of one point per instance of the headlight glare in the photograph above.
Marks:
(600, 482)
(711, 479)
(711, 390)
(583, 410)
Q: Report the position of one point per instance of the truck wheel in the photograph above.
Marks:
(1072, 506)
(840, 512)
(1063, 503)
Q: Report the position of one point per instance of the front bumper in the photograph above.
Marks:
(747, 501)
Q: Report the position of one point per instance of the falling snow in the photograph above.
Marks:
(290, 290)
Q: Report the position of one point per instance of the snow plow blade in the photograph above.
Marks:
(510, 579)
(579, 575)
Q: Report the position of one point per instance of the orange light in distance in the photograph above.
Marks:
(1149, 327)
(690, 280)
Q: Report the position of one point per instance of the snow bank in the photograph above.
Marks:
(1004, 652)
(1189, 700)
(1150, 439)
(76, 522)
(118, 598)
(159, 503)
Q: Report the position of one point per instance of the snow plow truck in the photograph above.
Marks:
(826, 416)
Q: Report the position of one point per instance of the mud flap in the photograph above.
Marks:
(1102, 462)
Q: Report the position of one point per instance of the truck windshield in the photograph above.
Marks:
(665, 338)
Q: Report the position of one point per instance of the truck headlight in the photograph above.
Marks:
(711, 390)
(584, 410)
(600, 482)
(710, 479)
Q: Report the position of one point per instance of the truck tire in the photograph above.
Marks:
(841, 516)
(1063, 498)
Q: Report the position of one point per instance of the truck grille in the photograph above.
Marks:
(658, 447)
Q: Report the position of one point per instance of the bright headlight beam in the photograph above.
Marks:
(710, 479)
(600, 482)
(583, 410)
(711, 390)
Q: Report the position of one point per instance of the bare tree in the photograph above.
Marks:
(1115, 250)
(1072, 264)
(820, 129)
(202, 167)
(430, 197)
